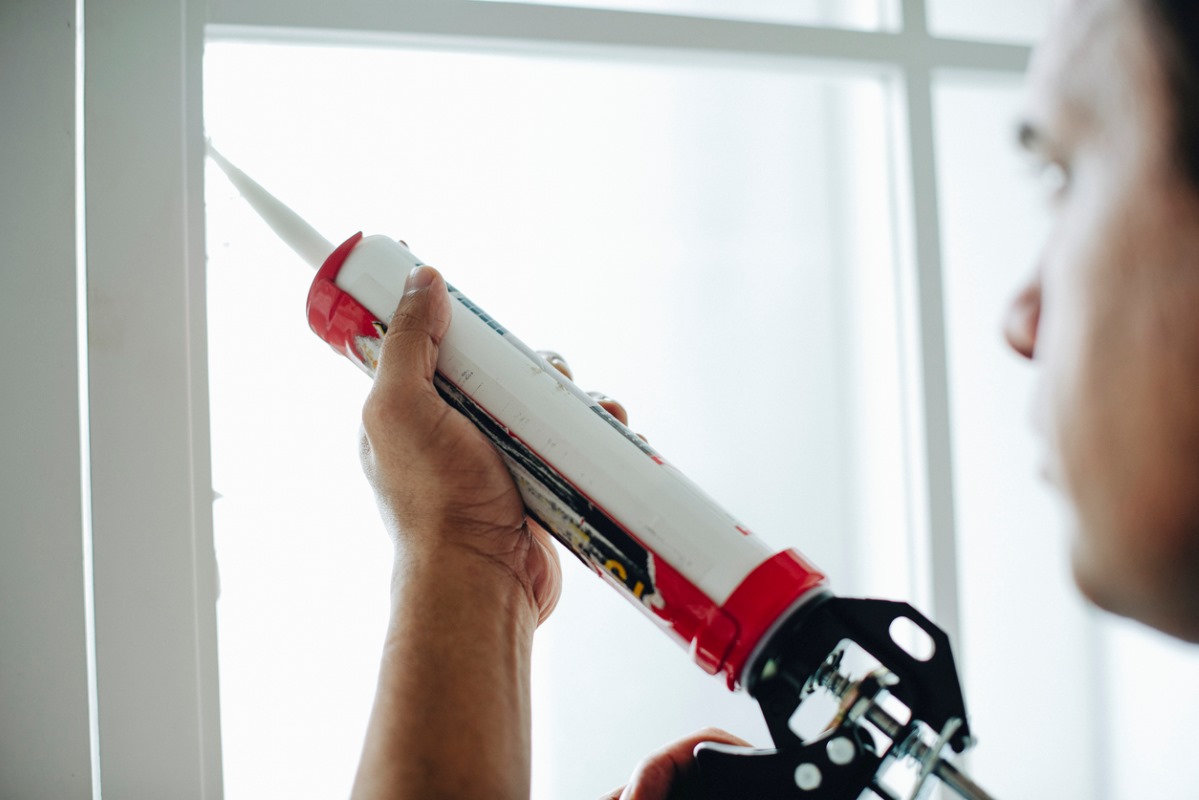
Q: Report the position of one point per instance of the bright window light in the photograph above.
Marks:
(710, 241)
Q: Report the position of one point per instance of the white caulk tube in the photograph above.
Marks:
(627, 513)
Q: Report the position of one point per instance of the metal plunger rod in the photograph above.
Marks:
(831, 678)
(950, 775)
(955, 779)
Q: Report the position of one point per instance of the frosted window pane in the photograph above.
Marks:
(1030, 650)
(1009, 21)
(709, 243)
(1016, 593)
(861, 14)
(1154, 740)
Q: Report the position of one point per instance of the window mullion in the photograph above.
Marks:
(154, 578)
(933, 501)
(915, 18)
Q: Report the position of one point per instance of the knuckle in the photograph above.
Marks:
(373, 411)
(366, 458)
(381, 413)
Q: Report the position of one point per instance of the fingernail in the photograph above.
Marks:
(557, 362)
(419, 278)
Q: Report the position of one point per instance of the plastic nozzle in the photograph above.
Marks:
(290, 226)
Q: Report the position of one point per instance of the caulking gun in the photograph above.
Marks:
(765, 622)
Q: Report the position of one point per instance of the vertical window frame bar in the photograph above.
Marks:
(153, 566)
(45, 742)
(936, 502)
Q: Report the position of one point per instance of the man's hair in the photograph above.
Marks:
(1175, 28)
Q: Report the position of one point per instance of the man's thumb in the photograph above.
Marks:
(411, 344)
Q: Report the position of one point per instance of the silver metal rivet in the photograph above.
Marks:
(841, 751)
(807, 777)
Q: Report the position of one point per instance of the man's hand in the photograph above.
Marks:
(472, 579)
(443, 490)
(665, 774)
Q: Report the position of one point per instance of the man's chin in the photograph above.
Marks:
(1095, 587)
(1114, 589)
(1106, 585)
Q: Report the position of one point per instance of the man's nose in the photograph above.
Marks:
(1023, 318)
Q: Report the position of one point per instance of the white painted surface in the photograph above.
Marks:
(44, 739)
(151, 491)
(933, 498)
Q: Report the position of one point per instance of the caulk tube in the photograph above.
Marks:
(763, 620)
(626, 512)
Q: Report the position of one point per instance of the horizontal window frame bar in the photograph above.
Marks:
(517, 24)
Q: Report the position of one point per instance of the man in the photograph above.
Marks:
(1112, 318)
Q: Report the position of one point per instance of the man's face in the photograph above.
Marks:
(1112, 316)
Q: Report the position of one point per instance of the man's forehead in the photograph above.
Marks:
(1079, 60)
(1082, 32)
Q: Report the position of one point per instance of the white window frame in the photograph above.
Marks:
(155, 719)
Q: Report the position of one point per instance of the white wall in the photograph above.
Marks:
(44, 740)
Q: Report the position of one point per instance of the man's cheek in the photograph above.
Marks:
(1057, 398)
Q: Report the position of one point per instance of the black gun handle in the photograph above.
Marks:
(689, 786)
(839, 765)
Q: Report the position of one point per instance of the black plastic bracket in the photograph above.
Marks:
(929, 688)
(842, 762)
